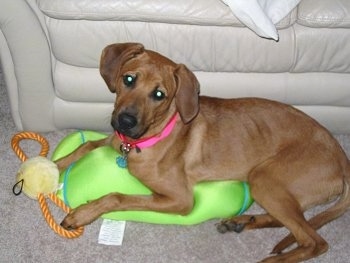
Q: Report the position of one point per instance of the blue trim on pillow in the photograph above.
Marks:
(65, 183)
(246, 198)
(66, 173)
(82, 136)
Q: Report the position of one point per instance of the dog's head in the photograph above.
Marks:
(150, 88)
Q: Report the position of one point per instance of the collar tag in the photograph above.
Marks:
(125, 148)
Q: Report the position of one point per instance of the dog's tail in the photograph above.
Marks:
(339, 208)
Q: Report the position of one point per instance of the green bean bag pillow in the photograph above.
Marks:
(97, 174)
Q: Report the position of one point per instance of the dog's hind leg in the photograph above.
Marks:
(321, 219)
(275, 194)
(279, 186)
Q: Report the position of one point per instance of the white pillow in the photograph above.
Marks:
(261, 15)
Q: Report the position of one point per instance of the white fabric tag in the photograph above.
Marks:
(111, 232)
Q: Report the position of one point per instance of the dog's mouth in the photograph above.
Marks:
(130, 133)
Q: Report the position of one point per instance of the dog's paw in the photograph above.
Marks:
(229, 226)
(81, 216)
(237, 224)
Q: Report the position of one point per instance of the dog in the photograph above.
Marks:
(171, 138)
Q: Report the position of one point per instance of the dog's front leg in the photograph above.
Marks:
(87, 213)
(65, 161)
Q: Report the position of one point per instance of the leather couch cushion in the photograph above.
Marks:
(61, 87)
(326, 13)
(193, 12)
(78, 31)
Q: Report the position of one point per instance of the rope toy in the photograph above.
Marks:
(38, 178)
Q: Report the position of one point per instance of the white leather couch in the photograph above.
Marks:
(50, 51)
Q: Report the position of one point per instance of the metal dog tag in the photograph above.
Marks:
(122, 161)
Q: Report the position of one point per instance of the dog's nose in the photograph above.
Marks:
(126, 121)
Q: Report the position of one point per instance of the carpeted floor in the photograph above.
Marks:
(25, 237)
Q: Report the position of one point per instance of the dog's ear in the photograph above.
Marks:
(187, 94)
(112, 59)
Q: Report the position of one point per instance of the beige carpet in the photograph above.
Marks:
(25, 237)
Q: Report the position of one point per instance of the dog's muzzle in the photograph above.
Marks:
(126, 123)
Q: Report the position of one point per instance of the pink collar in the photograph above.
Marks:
(150, 141)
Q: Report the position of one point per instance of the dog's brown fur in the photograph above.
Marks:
(290, 161)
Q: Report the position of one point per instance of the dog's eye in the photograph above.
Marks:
(129, 80)
(158, 95)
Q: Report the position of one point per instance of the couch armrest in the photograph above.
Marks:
(26, 61)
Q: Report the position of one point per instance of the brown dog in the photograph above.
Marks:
(171, 139)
